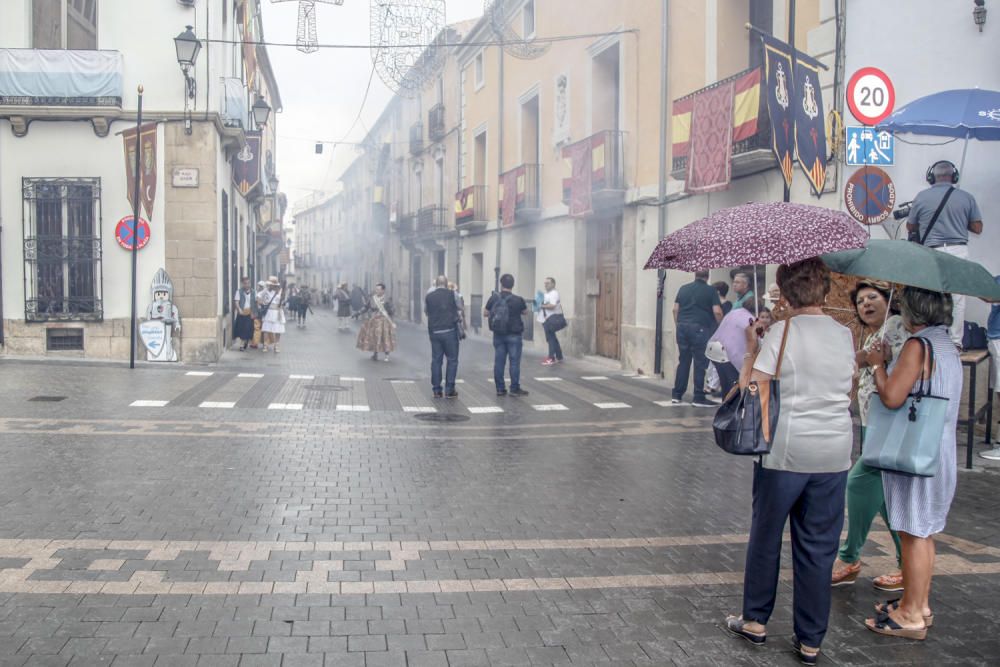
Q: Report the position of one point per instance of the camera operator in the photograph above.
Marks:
(941, 217)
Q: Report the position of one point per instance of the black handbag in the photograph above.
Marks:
(554, 323)
(745, 422)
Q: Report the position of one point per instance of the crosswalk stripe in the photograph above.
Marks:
(353, 408)
(548, 379)
(593, 377)
(351, 379)
(285, 406)
(418, 408)
(148, 404)
(250, 375)
(301, 377)
(200, 373)
(401, 382)
(612, 406)
(484, 409)
(550, 407)
(668, 404)
(217, 404)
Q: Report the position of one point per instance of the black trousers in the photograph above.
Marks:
(728, 376)
(814, 503)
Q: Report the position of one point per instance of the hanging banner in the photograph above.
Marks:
(249, 47)
(579, 186)
(711, 149)
(246, 165)
(778, 71)
(147, 166)
(810, 124)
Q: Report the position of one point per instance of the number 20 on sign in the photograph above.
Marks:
(870, 95)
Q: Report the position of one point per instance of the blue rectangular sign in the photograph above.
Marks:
(869, 146)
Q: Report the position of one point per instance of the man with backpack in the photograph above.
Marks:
(503, 313)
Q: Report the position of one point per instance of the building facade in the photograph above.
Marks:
(69, 74)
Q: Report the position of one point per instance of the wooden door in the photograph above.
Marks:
(609, 299)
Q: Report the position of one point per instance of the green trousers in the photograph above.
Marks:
(865, 499)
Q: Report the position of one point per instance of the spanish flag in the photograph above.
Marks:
(746, 111)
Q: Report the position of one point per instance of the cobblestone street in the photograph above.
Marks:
(317, 507)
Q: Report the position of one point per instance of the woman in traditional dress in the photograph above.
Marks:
(273, 322)
(378, 333)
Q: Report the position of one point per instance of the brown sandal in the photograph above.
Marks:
(884, 625)
(893, 605)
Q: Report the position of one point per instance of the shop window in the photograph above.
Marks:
(62, 249)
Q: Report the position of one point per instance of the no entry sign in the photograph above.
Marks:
(870, 195)
(870, 95)
(125, 233)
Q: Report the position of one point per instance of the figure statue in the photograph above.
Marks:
(162, 320)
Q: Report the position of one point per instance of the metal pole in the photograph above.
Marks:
(135, 225)
(661, 275)
(496, 269)
(791, 78)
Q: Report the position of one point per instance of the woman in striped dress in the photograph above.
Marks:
(918, 506)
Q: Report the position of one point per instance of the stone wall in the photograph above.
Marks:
(192, 216)
(101, 340)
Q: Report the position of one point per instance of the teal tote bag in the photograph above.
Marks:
(907, 439)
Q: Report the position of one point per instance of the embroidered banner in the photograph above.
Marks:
(147, 166)
(778, 68)
(711, 147)
(508, 197)
(810, 124)
(246, 172)
(746, 112)
(581, 159)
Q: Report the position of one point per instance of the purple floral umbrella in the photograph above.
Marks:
(757, 233)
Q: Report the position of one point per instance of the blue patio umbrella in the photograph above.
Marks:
(969, 113)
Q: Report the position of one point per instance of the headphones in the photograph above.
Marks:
(930, 171)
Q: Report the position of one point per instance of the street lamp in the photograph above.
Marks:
(261, 111)
(187, 46)
(979, 13)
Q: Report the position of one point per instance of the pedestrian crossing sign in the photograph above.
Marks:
(870, 146)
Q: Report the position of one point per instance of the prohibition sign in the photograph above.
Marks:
(870, 195)
(870, 95)
(125, 232)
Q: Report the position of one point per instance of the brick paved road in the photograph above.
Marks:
(296, 527)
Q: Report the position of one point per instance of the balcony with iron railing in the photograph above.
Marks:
(749, 155)
(471, 208)
(417, 138)
(432, 221)
(526, 180)
(436, 129)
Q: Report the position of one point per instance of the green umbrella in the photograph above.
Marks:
(911, 264)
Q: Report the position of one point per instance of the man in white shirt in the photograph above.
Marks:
(551, 317)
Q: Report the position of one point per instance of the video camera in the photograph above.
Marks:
(903, 210)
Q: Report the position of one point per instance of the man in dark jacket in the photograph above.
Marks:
(503, 312)
(442, 326)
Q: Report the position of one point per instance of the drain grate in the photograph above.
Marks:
(47, 399)
(325, 387)
(441, 417)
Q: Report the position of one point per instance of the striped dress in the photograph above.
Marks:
(919, 506)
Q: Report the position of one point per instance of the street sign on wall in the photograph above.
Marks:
(870, 195)
(870, 95)
(869, 146)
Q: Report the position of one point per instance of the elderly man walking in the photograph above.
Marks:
(442, 326)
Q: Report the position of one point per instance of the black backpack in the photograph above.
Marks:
(974, 337)
(499, 319)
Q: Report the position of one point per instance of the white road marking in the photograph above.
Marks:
(401, 382)
(351, 379)
(285, 406)
(668, 404)
(148, 404)
(200, 373)
(418, 408)
(594, 377)
(485, 409)
(550, 407)
(612, 406)
(217, 404)
(353, 408)
(301, 377)
(250, 375)
(548, 379)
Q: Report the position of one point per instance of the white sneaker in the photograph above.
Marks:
(992, 454)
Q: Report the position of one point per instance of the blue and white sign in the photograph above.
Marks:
(869, 146)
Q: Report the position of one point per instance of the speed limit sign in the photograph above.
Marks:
(870, 95)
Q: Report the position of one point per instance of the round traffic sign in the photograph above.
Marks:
(870, 195)
(125, 232)
(870, 95)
